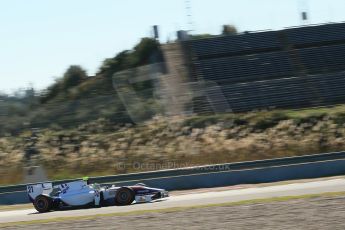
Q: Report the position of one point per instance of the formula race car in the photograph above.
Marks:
(46, 197)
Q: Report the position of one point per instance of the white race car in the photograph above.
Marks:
(46, 197)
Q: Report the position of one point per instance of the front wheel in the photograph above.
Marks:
(43, 203)
(124, 196)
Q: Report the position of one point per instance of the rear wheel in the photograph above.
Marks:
(43, 203)
(124, 196)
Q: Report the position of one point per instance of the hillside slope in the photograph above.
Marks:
(103, 147)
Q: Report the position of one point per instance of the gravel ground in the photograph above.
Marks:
(315, 213)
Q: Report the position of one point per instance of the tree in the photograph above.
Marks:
(73, 76)
(229, 30)
(112, 65)
(201, 36)
(146, 52)
(51, 92)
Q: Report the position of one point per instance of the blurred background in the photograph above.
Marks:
(108, 87)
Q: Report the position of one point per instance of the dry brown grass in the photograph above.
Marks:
(93, 149)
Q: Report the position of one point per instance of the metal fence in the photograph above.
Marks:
(291, 68)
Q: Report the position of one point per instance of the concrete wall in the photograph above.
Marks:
(216, 179)
(251, 176)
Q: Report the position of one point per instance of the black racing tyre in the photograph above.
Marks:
(124, 196)
(43, 203)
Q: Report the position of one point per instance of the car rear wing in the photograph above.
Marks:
(35, 190)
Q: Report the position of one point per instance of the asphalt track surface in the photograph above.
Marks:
(192, 198)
